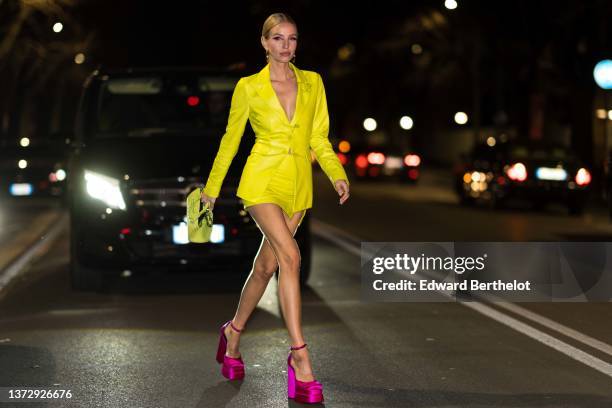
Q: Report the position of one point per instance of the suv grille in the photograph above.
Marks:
(171, 192)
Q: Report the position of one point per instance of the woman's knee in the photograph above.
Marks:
(264, 269)
(290, 257)
(274, 226)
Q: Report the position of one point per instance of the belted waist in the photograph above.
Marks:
(268, 150)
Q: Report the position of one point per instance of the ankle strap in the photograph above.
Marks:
(300, 347)
(234, 327)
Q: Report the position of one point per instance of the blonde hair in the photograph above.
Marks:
(274, 20)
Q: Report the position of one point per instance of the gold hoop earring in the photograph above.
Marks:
(267, 55)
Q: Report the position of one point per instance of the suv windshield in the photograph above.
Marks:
(142, 106)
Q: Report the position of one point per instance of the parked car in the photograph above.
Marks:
(34, 169)
(144, 140)
(385, 162)
(535, 171)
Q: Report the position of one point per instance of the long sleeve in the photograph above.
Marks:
(238, 115)
(319, 141)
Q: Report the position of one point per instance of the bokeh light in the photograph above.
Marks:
(461, 118)
(406, 122)
(369, 124)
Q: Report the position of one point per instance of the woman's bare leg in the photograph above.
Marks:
(264, 267)
(269, 218)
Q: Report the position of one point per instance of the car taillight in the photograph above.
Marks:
(583, 177)
(376, 158)
(361, 161)
(193, 100)
(342, 158)
(517, 172)
(412, 160)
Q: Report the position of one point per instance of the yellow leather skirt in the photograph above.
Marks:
(281, 189)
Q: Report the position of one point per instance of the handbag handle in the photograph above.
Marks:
(206, 212)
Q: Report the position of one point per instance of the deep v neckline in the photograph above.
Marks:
(297, 94)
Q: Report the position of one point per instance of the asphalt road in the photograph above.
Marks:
(127, 349)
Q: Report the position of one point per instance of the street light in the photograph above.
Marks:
(602, 73)
(450, 4)
(57, 27)
(79, 58)
(406, 122)
(369, 124)
(461, 118)
(601, 114)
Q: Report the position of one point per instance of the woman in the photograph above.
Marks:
(287, 108)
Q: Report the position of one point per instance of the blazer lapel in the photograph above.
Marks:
(265, 90)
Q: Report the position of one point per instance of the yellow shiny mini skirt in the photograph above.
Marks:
(281, 189)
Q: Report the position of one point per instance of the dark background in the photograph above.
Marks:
(522, 67)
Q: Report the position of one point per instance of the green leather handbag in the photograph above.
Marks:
(199, 218)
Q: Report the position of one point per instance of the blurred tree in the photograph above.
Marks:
(522, 64)
(37, 64)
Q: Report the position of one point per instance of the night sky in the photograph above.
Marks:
(498, 61)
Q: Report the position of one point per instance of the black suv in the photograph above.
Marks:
(145, 138)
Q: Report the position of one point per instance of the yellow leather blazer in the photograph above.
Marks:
(275, 136)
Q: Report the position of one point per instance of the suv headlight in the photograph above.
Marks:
(104, 188)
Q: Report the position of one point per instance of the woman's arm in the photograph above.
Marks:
(238, 115)
(319, 141)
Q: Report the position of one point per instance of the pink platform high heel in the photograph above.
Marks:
(231, 368)
(305, 392)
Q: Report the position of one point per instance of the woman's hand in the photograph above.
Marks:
(342, 188)
(207, 199)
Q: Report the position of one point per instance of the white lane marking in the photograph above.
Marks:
(327, 231)
(533, 316)
(39, 248)
(339, 237)
(542, 337)
(553, 325)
